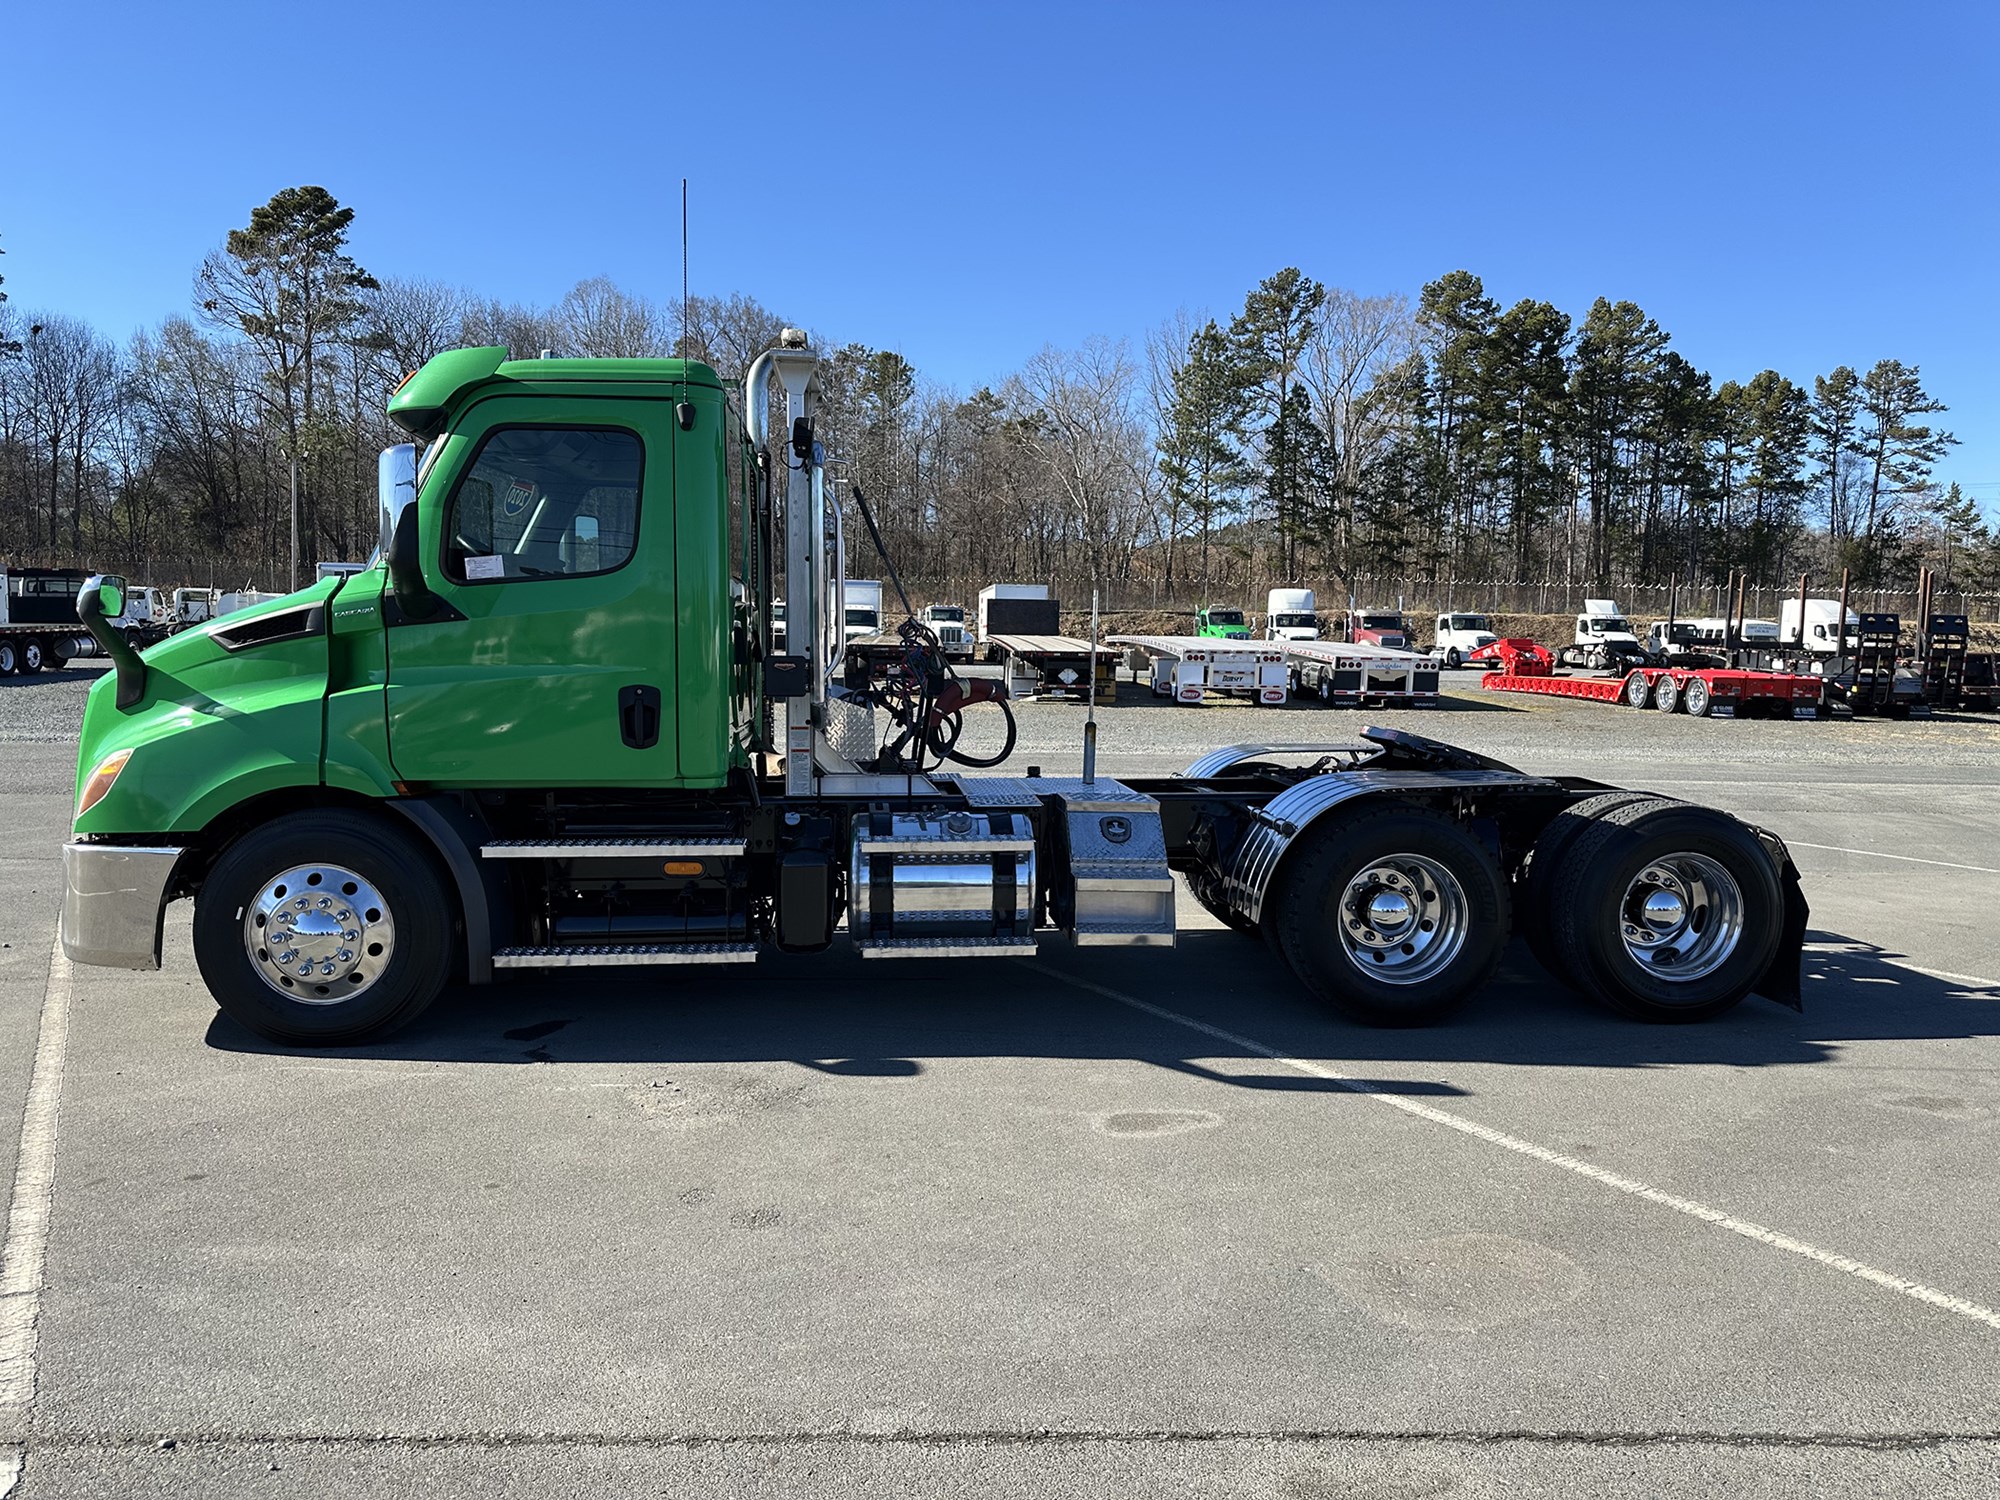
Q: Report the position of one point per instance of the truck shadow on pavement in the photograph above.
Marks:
(845, 1017)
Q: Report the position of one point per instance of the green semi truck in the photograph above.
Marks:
(548, 727)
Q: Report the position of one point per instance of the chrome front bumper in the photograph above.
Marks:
(113, 899)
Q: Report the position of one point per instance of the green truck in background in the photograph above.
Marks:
(1224, 624)
(548, 726)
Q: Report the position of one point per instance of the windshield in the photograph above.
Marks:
(948, 612)
(1225, 617)
(861, 617)
(1294, 621)
(1470, 622)
(1381, 622)
(1608, 624)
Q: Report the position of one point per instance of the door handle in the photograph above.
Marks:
(639, 715)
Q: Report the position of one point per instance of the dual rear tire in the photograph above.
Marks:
(1659, 909)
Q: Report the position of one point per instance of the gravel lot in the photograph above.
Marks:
(1096, 1224)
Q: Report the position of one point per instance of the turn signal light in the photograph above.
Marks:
(100, 780)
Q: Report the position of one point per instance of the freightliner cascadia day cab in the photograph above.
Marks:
(546, 728)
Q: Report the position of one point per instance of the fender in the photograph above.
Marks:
(1276, 826)
(457, 836)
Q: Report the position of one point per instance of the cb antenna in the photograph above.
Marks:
(686, 339)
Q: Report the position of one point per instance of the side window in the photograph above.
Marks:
(545, 502)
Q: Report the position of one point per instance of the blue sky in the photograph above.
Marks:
(1793, 186)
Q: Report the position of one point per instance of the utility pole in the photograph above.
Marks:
(295, 522)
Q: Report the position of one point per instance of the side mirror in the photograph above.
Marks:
(98, 602)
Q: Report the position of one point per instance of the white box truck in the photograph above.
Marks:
(1289, 616)
(863, 608)
(1003, 612)
(1821, 638)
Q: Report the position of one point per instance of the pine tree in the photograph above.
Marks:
(1899, 454)
(1201, 455)
(1270, 336)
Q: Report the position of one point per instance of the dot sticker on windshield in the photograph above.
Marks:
(489, 566)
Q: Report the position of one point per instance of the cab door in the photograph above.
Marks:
(548, 536)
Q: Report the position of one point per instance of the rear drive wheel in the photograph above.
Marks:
(1666, 693)
(33, 657)
(1534, 907)
(1666, 911)
(1695, 697)
(324, 928)
(1637, 690)
(1393, 916)
(10, 658)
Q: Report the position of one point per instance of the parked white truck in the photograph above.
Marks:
(947, 623)
(1289, 616)
(996, 617)
(1458, 636)
(1821, 637)
(1604, 638)
(863, 604)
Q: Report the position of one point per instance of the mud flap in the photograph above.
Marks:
(1782, 980)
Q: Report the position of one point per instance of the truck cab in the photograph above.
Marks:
(1289, 615)
(1376, 627)
(947, 623)
(1604, 638)
(1459, 635)
(1222, 623)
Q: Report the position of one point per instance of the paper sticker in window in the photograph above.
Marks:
(485, 567)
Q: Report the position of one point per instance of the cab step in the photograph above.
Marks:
(613, 848)
(945, 947)
(621, 955)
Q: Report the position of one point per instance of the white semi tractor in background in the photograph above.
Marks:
(1289, 616)
(1458, 636)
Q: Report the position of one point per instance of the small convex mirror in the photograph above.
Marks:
(583, 550)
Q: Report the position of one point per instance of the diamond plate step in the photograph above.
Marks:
(611, 848)
(619, 955)
(945, 947)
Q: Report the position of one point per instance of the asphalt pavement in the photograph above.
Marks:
(1095, 1223)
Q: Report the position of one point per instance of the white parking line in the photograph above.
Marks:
(1908, 859)
(1632, 1187)
(21, 1256)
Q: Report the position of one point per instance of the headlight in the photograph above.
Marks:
(100, 780)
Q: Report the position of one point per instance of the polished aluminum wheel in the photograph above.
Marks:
(1403, 919)
(1637, 690)
(1682, 917)
(319, 934)
(1695, 696)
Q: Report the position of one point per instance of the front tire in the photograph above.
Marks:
(324, 928)
(1394, 916)
(10, 658)
(1453, 659)
(1666, 911)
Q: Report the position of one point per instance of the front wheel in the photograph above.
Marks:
(10, 658)
(1394, 916)
(1665, 911)
(1453, 659)
(324, 928)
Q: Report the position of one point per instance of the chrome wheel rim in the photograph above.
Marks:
(1697, 697)
(1682, 917)
(1403, 918)
(1665, 694)
(319, 934)
(1637, 690)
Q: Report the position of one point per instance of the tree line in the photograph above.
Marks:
(1316, 434)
